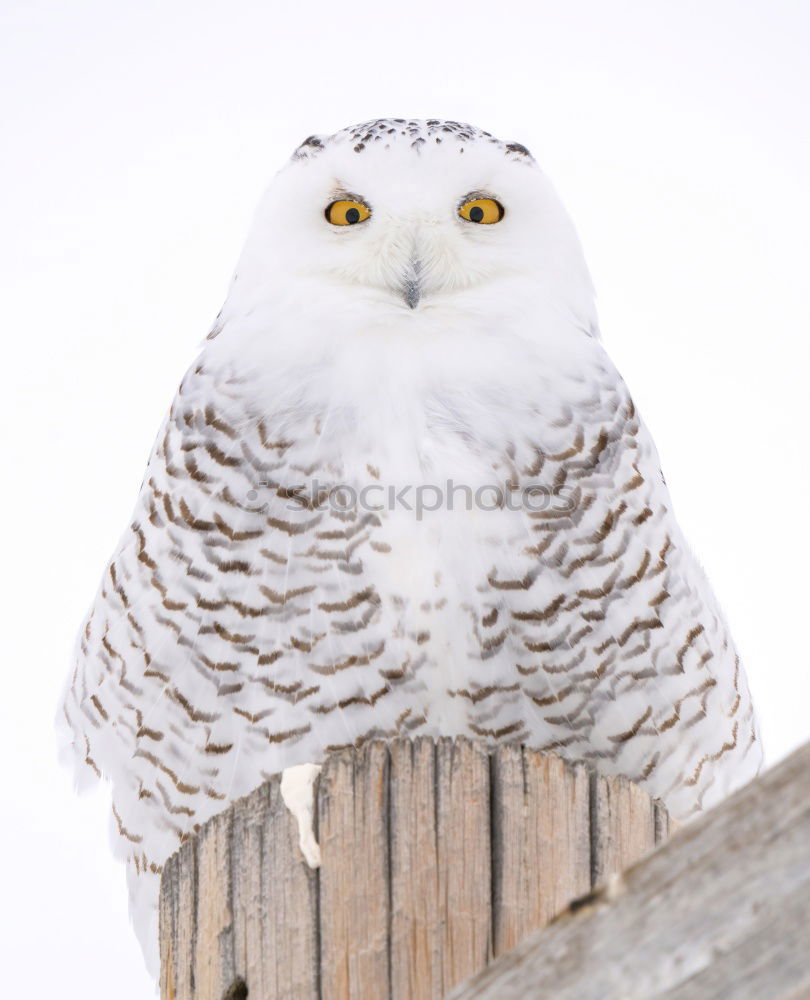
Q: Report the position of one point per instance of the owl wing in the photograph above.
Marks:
(236, 630)
(616, 650)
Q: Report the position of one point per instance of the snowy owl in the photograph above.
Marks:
(401, 490)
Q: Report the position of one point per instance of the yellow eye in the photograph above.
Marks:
(482, 210)
(347, 213)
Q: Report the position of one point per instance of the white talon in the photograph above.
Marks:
(298, 792)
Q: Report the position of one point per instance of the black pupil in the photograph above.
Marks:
(476, 213)
(352, 216)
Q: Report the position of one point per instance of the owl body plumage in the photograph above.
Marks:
(362, 519)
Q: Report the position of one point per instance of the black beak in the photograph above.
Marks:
(412, 285)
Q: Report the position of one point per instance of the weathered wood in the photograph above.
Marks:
(543, 851)
(436, 856)
(354, 898)
(622, 825)
(440, 865)
(463, 838)
(722, 911)
(416, 915)
(213, 967)
(278, 957)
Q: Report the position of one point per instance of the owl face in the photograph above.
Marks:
(409, 216)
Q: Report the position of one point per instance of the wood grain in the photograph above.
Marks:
(354, 901)
(541, 829)
(437, 856)
(719, 913)
(622, 825)
(279, 958)
(416, 910)
(463, 838)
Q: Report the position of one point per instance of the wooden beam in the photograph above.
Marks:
(721, 911)
(437, 856)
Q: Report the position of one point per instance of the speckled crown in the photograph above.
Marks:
(414, 131)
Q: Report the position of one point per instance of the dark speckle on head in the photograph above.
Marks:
(415, 131)
(312, 144)
(516, 147)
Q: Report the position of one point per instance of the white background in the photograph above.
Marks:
(136, 140)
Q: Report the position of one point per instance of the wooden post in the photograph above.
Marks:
(720, 912)
(437, 857)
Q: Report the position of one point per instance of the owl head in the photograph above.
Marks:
(397, 219)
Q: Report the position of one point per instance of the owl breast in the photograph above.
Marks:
(296, 583)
